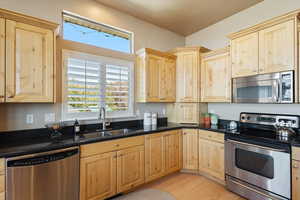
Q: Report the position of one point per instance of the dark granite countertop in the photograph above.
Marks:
(29, 145)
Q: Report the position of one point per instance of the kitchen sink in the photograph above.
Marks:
(106, 133)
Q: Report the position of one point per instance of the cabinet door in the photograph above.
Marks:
(130, 168)
(154, 63)
(190, 149)
(2, 179)
(173, 154)
(187, 73)
(29, 63)
(216, 79)
(187, 113)
(154, 157)
(244, 55)
(211, 158)
(98, 176)
(295, 180)
(167, 81)
(2, 60)
(277, 48)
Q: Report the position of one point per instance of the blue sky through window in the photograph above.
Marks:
(90, 36)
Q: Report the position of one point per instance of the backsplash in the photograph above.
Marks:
(13, 116)
(232, 111)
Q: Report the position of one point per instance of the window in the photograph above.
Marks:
(86, 31)
(95, 81)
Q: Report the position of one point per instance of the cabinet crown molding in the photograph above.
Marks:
(294, 15)
(156, 52)
(11, 15)
(183, 49)
(216, 52)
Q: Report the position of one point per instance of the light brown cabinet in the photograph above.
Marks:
(190, 148)
(187, 113)
(244, 55)
(130, 168)
(27, 67)
(211, 154)
(154, 156)
(265, 48)
(188, 73)
(98, 176)
(2, 179)
(155, 76)
(295, 179)
(108, 168)
(216, 76)
(162, 154)
(277, 48)
(173, 151)
(29, 63)
(2, 60)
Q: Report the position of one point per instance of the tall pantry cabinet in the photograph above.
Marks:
(28, 71)
(187, 108)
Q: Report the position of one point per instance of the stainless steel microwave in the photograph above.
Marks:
(264, 88)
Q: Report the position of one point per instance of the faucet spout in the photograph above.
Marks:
(102, 117)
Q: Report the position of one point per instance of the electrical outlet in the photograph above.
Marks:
(29, 119)
(49, 117)
(138, 113)
(164, 111)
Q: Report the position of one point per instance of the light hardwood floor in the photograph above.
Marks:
(192, 187)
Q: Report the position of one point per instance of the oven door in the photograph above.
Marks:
(260, 166)
(259, 91)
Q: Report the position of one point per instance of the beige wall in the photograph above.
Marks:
(214, 37)
(12, 116)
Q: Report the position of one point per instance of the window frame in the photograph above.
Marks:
(66, 116)
(106, 26)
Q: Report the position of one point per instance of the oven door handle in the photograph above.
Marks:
(257, 146)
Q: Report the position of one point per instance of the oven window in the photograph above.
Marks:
(256, 163)
(254, 92)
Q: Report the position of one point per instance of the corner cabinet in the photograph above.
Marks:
(266, 48)
(188, 74)
(155, 76)
(190, 150)
(28, 74)
(295, 173)
(216, 76)
(162, 154)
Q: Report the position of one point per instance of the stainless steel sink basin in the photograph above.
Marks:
(106, 133)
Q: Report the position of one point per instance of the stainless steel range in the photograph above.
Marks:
(258, 157)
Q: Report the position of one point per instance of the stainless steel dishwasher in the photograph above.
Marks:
(52, 175)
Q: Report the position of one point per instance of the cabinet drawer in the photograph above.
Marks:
(210, 135)
(114, 145)
(296, 153)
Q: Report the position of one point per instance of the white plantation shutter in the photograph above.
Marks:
(117, 88)
(93, 82)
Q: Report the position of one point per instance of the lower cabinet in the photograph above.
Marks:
(295, 180)
(98, 176)
(108, 168)
(211, 158)
(190, 149)
(162, 154)
(130, 168)
(2, 179)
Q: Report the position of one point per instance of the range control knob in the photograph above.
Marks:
(248, 118)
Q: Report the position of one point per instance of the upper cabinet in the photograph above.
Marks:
(216, 76)
(277, 48)
(2, 60)
(155, 76)
(29, 59)
(188, 74)
(244, 55)
(265, 48)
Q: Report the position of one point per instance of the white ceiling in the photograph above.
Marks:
(180, 16)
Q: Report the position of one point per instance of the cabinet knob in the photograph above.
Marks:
(295, 166)
(117, 145)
